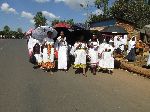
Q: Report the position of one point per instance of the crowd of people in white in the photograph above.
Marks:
(50, 55)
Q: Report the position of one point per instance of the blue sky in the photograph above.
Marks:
(20, 13)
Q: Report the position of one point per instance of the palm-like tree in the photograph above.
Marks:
(39, 19)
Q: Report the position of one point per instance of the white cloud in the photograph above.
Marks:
(42, 1)
(27, 15)
(97, 12)
(76, 3)
(6, 8)
(50, 15)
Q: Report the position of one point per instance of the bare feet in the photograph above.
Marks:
(85, 75)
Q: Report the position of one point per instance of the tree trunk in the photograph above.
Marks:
(133, 68)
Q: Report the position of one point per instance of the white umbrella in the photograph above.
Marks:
(41, 32)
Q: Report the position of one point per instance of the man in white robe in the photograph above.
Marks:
(62, 51)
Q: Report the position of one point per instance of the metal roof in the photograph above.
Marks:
(110, 22)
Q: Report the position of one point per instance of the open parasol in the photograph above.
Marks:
(41, 32)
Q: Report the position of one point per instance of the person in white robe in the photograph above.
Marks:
(122, 43)
(116, 42)
(37, 53)
(93, 53)
(148, 61)
(62, 52)
(31, 43)
(131, 49)
(80, 55)
(118, 46)
(101, 50)
(125, 39)
(108, 58)
(48, 53)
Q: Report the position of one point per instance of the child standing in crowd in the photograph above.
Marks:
(108, 58)
(45, 55)
(80, 55)
(93, 53)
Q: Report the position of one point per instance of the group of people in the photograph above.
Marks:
(125, 47)
(43, 53)
(50, 54)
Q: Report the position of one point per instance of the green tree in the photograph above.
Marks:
(39, 19)
(70, 21)
(135, 11)
(102, 4)
(98, 18)
(12, 34)
(6, 28)
(6, 31)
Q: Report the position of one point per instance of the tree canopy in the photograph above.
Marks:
(39, 19)
(8, 33)
(102, 4)
(135, 11)
(6, 28)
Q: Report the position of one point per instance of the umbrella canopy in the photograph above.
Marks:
(29, 32)
(114, 30)
(62, 25)
(41, 32)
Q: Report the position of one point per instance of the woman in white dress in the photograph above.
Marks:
(62, 52)
(131, 50)
(93, 53)
(80, 55)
